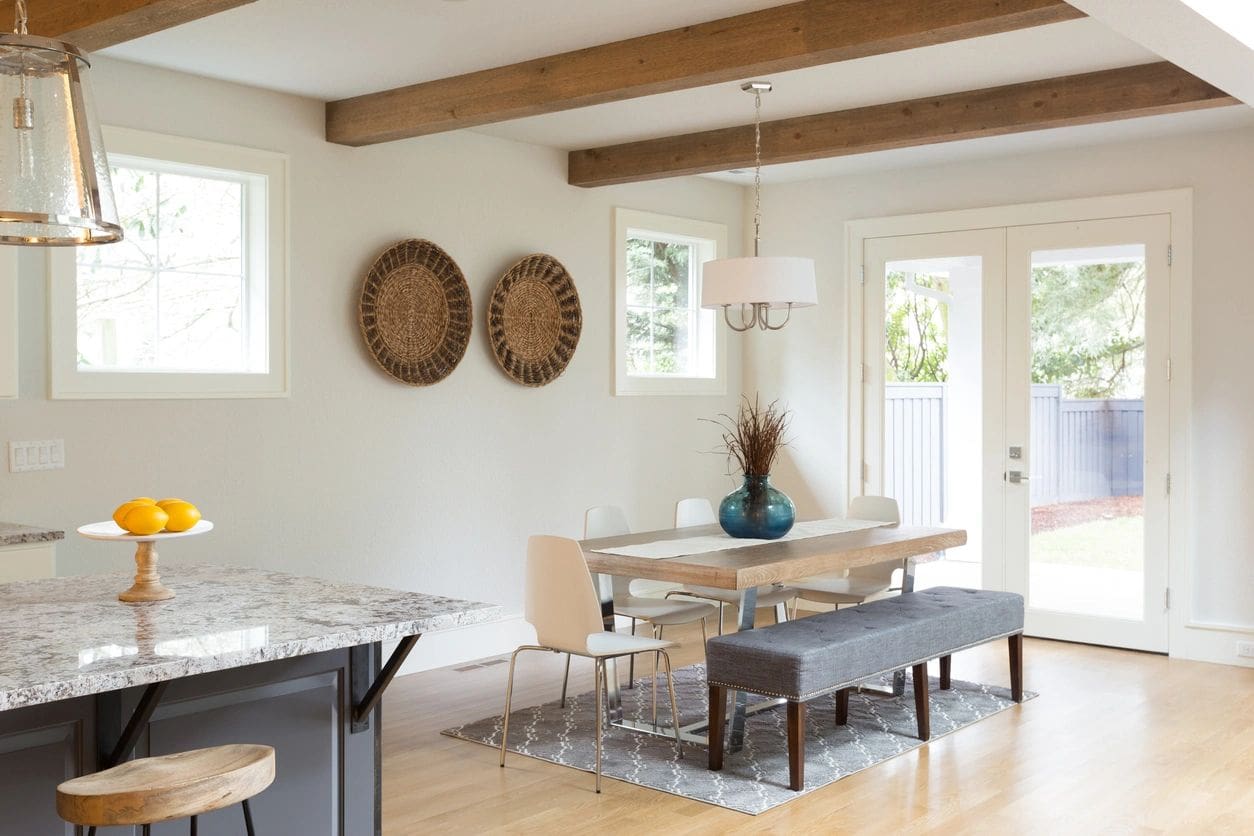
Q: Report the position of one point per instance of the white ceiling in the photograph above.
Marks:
(315, 48)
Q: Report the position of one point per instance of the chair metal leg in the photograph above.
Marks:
(655, 689)
(704, 635)
(670, 687)
(600, 676)
(509, 695)
(631, 662)
(721, 604)
(565, 680)
(248, 817)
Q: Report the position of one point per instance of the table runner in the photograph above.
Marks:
(663, 549)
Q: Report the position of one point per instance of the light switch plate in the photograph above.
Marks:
(36, 455)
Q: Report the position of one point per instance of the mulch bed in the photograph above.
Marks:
(1067, 514)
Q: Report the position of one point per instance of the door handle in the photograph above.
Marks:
(1016, 477)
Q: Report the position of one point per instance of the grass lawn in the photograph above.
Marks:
(1107, 544)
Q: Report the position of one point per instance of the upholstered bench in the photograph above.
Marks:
(833, 651)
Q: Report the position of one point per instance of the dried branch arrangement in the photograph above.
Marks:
(754, 437)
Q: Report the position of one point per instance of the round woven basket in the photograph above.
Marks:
(415, 312)
(534, 320)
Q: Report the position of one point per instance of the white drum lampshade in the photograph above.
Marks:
(776, 281)
(54, 178)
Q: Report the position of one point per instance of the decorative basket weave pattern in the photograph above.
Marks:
(415, 312)
(534, 320)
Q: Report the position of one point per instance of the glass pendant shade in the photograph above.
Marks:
(774, 281)
(54, 177)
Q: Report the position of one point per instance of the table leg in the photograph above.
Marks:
(748, 608)
(613, 699)
(907, 585)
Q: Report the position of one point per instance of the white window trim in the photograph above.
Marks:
(268, 233)
(680, 229)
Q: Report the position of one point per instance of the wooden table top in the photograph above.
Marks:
(777, 562)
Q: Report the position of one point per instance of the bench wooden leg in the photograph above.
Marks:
(842, 707)
(718, 722)
(796, 745)
(1016, 667)
(945, 667)
(919, 675)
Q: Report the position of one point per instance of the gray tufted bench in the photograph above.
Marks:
(809, 657)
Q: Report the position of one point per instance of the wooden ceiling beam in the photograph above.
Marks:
(96, 24)
(788, 37)
(1105, 96)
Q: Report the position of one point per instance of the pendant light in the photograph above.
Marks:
(758, 284)
(54, 177)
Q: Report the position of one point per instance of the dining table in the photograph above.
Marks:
(706, 556)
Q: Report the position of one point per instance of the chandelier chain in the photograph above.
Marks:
(757, 168)
(19, 15)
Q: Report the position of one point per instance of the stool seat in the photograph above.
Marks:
(157, 789)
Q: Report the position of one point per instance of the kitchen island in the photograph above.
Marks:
(239, 655)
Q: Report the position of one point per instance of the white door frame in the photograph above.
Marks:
(1178, 204)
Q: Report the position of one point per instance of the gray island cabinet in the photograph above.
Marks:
(238, 656)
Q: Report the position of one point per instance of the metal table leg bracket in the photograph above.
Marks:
(136, 726)
(366, 698)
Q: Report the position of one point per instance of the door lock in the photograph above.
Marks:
(1016, 477)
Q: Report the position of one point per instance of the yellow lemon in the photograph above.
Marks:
(146, 500)
(182, 515)
(144, 519)
(161, 503)
(125, 507)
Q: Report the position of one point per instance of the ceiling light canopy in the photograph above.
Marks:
(758, 284)
(54, 177)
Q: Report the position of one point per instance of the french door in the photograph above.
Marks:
(1015, 385)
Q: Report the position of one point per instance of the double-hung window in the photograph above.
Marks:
(192, 302)
(665, 343)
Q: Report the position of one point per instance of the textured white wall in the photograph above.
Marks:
(806, 363)
(356, 476)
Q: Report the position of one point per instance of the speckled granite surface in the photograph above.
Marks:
(69, 637)
(12, 534)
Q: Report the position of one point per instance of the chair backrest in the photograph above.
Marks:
(879, 508)
(561, 602)
(695, 510)
(608, 521)
(882, 509)
(604, 521)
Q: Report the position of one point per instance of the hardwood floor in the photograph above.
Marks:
(1118, 742)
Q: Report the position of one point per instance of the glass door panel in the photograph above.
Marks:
(1086, 390)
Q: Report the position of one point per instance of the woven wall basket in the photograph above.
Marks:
(534, 320)
(415, 312)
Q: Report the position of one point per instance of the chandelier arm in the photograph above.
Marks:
(733, 326)
(766, 318)
(19, 18)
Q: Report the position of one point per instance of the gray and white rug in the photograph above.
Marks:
(755, 779)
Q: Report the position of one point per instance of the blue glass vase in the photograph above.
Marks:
(757, 510)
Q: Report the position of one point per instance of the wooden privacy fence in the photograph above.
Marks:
(1081, 448)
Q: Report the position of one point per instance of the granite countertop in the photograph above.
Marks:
(12, 534)
(70, 637)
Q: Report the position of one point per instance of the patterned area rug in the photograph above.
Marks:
(755, 779)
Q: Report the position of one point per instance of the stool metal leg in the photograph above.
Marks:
(193, 830)
(248, 817)
(146, 829)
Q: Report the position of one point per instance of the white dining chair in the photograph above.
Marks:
(610, 521)
(698, 511)
(563, 606)
(856, 586)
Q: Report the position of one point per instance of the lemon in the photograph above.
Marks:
(144, 519)
(146, 500)
(182, 515)
(125, 507)
(161, 503)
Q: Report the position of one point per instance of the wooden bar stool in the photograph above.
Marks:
(146, 791)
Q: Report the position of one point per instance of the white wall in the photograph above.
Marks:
(806, 363)
(356, 476)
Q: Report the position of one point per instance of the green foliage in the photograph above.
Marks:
(916, 331)
(1088, 328)
(658, 286)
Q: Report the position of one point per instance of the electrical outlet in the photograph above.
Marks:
(36, 455)
(1245, 649)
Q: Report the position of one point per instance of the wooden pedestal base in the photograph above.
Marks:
(147, 586)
